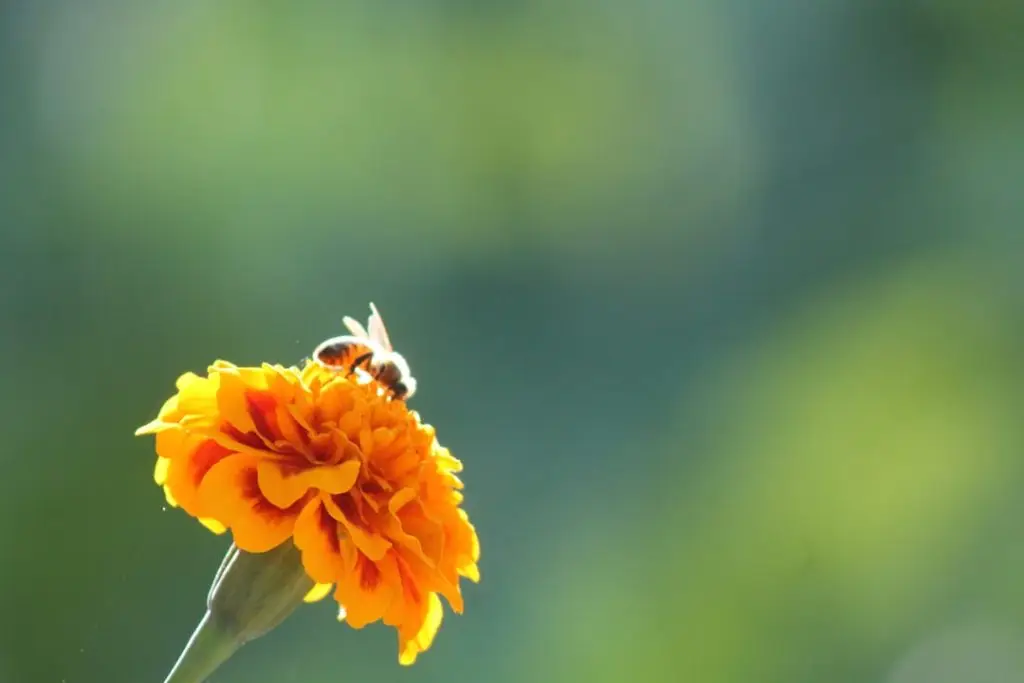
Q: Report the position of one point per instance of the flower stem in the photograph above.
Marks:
(252, 593)
(208, 648)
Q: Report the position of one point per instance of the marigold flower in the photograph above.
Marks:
(353, 478)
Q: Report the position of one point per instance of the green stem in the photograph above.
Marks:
(251, 594)
(208, 648)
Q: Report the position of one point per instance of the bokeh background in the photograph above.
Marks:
(720, 302)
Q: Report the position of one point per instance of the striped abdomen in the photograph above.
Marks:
(344, 353)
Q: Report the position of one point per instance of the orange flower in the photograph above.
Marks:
(353, 478)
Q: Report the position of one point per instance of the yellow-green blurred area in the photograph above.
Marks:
(720, 303)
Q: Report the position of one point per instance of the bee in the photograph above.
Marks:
(368, 350)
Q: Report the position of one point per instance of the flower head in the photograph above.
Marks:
(328, 462)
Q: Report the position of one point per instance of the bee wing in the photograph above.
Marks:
(356, 327)
(378, 332)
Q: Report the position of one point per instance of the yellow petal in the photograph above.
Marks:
(425, 636)
(213, 525)
(169, 497)
(160, 471)
(318, 592)
(153, 427)
(196, 396)
(186, 380)
(232, 404)
(471, 572)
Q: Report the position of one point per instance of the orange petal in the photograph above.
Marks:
(281, 382)
(316, 537)
(372, 544)
(186, 473)
(234, 440)
(262, 407)
(383, 437)
(423, 549)
(349, 425)
(419, 579)
(401, 499)
(334, 405)
(293, 436)
(230, 492)
(346, 448)
(409, 527)
(301, 412)
(283, 485)
(175, 442)
(366, 442)
(367, 589)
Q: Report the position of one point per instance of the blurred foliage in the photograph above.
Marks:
(844, 486)
(722, 305)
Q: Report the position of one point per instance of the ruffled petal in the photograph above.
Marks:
(283, 484)
(369, 541)
(316, 537)
(231, 494)
(367, 589)
(430, 621)
(187, 469)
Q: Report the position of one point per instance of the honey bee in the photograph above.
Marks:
(368, 350)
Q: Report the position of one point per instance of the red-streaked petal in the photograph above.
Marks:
(230, 492)
(366, 589)
(185, 473)
(316, 536)
(372, 544)
(283, 484)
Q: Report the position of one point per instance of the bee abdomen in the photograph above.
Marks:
(342, 353)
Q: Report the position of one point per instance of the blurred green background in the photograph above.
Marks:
(720, 303)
